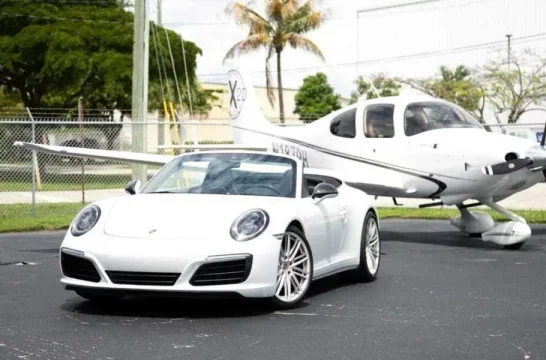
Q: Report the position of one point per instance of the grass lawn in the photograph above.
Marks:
(62, 182)
(18, 217)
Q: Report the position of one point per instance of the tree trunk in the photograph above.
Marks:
(512, 116)
(279, 87)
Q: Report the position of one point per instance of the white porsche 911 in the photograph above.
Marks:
(244, 223)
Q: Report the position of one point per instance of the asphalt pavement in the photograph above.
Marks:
(439, 295)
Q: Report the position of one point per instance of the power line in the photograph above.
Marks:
(128, 23)
(480, 46)
(396, 6)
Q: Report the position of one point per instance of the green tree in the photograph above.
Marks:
(315, 98)
(285, 23)
(385, 87)
(459, 86)
(53, 59)
(54, 53)
(514, 87)
(9, 98)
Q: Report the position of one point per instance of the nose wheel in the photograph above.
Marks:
(511, 235)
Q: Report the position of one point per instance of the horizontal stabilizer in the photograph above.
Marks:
(122, 156)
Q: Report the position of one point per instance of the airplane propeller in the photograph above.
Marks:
(503, 167)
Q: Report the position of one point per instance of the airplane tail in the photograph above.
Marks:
(250, 125)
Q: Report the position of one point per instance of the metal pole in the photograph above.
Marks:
(140, 85)
(357, 43)
(509, 36)
(34, 164)
(80, 119)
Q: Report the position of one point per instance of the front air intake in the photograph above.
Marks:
(80, 268)
(222, 272)
(142, 278)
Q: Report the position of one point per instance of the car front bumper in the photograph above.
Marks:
(111, 264)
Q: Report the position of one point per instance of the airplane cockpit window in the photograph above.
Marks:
(343, 125)
(379, 121)
(426, 116)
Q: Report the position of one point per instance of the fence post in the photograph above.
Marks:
(34, 164)
(80, 118)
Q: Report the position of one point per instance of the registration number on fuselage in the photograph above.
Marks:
(290, 150)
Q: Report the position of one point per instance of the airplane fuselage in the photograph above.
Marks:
(444, 163)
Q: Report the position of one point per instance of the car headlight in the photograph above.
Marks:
(85, 220)
(249, 225)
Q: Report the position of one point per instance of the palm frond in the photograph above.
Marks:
(270, 93)
(244, 15)
(306, 19)
(279, 10)
(297, 41)
(251, 43)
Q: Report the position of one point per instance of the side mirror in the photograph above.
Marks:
(133, 187)
(324, 191)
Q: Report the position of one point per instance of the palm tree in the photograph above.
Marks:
(285, 23)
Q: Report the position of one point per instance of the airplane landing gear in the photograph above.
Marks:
(472, 223)
(512, 235)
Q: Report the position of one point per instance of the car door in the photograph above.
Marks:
(328, 218)
(336, 213)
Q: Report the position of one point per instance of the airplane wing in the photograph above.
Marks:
(213, 147)
(382, 190)
(123, 156)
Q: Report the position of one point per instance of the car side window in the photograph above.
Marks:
(379, 121)
(343, 125)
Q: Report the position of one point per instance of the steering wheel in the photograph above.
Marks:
(269, 187)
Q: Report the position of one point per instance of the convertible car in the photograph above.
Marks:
(246, 223)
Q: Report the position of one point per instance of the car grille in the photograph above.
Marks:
(78, 268)
(222, 272)
(143, 278)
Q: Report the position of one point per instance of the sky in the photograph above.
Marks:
(407, 41)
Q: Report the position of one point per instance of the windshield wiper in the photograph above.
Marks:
(163, 192)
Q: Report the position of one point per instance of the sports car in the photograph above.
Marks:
(245, 223)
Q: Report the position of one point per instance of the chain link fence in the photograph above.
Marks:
(37, 184)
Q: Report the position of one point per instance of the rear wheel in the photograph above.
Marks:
(294, 270)
(370, 250)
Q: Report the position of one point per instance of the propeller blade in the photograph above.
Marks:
(507, 167)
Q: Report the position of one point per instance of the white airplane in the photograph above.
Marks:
(401, 146)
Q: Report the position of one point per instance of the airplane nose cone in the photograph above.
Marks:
(538, 154)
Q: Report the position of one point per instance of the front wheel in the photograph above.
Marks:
(370, 249)
(294, 269)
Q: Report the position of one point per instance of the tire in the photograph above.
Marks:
(368, 269)
(98, 297)
(301, 261)
(515, 246)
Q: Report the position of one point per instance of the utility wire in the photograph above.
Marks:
(486, 45)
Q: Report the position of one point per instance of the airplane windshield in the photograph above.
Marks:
(426, 116)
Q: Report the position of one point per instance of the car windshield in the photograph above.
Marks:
(227, 174)
(426, 116)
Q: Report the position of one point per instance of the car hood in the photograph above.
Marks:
(181, 216)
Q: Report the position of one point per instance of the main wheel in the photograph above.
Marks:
(294, 270)
(370, 250)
